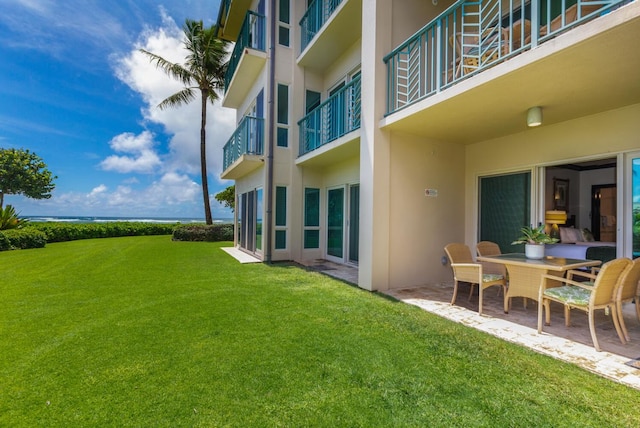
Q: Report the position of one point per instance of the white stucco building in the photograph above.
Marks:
(374, 132)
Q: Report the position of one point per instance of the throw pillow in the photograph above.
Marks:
(587, 236)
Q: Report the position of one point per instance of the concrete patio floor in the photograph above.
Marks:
(571, 344)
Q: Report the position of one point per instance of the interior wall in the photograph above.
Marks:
(422, 225)
(588, 179)
(409, 16)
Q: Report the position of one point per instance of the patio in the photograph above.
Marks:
(572, 344)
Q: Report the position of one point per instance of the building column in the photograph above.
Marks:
(374, 148)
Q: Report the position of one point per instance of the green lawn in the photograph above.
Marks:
(144, 331)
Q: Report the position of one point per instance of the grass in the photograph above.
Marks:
(144, 331)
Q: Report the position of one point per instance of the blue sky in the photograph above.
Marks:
(75, 90)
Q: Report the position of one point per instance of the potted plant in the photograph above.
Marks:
(534, 239)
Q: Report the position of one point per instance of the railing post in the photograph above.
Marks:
(535, 22)
(438, 65)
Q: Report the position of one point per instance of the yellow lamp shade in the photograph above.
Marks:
(555, 217)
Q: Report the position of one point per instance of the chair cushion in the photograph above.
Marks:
(570, 294)
(490, 277)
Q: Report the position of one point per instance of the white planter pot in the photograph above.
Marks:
(534, 251)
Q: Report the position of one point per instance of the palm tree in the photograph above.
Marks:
(203, 71)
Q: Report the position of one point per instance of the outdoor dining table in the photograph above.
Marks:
(525, 274)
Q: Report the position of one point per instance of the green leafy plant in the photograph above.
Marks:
(534, 235)
(9, 218)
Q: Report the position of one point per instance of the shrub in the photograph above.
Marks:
(5, 244)
(203, 232)
(9, 218)
(23, 239)
(60, 232)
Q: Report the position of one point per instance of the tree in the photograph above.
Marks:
(202, 72)
(227, 197)
(24, 173)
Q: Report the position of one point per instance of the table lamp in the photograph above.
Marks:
(554, 218)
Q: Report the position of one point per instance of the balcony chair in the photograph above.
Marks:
(628, 291)
(570, 16)
(465, 269)
(589, 296)
(472, 52)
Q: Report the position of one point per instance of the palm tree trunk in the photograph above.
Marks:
(203, 158)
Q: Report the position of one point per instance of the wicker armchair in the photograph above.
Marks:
(587, 297)
(465, 269)
(627, 291)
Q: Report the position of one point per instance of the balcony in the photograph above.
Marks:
(243, 152)
(327, 29)
(230, 18)
(331, 120)
(246, 61)
(482, 63)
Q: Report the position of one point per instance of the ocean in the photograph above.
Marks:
(83, 219)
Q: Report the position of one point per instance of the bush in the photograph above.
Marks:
(5, 244)
(203, 232)
(60, 232)
(23, 239)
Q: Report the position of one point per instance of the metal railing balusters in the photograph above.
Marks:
(252, 35)
(336, 116)
(470, 36)
(248, 138)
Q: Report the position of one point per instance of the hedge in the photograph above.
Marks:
(36, 235)
(203, 232)
(22, 239)
(60, 232)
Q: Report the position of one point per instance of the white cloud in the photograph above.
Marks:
(97, 190)
(142, 159)
(182, 123)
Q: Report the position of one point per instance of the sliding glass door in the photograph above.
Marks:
(634, 203)
(335, 223)
(343, 223)
(505, 207)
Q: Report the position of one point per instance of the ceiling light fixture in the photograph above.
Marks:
(534, 116)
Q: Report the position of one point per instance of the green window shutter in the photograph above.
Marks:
(283, 104)
(283, 137)
(311, 239)
(281, 239)
(311, 207)
(281, 206)
(284, 11)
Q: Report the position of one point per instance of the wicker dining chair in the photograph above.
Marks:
(488, 248)
(465, 269)
(627, 291)
(587, 297)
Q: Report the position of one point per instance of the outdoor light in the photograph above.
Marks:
(534, 116)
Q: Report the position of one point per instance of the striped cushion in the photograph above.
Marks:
(570, 294)
(490, 277)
